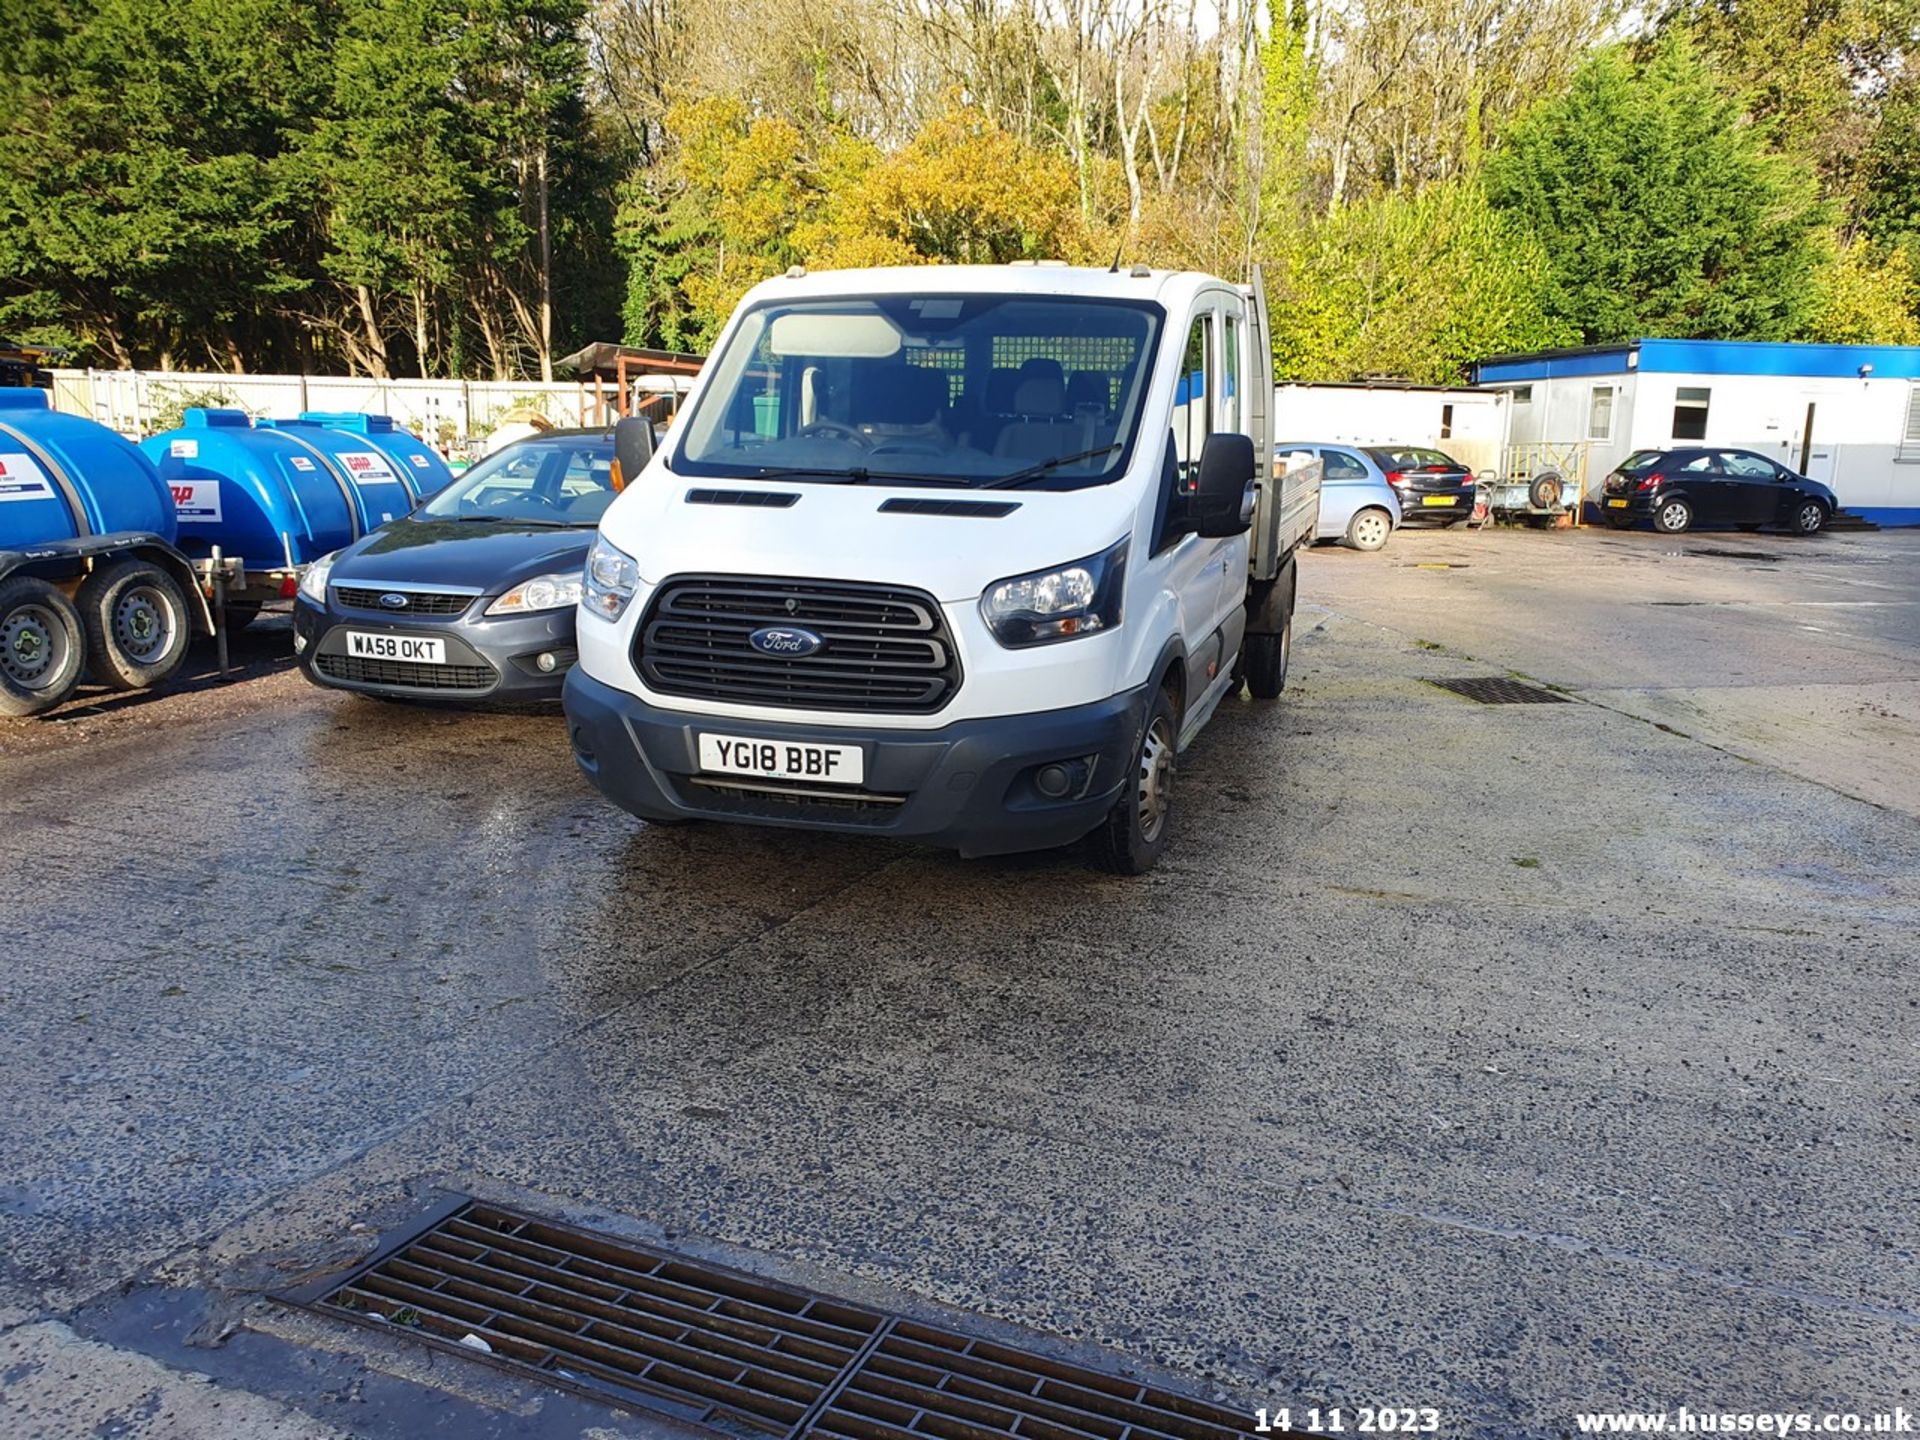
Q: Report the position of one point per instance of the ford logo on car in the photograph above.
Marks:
(784, 641)
(394, 600)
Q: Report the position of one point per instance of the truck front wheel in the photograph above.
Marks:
(43, 647)
(137, 625)
(1131, 840)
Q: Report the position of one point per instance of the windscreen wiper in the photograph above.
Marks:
(857, 475)
(1033, 472)
(542, 522)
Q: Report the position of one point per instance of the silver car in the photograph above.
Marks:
(1357, 505)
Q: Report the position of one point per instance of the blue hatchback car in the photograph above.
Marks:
(1357, 505)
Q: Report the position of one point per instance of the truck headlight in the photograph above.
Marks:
(610, 579)
(543, 592)
(313, 579)
(1068, 601)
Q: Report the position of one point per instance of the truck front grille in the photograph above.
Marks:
(886, 649)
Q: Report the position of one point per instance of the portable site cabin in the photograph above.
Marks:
(1846, 415)
(1470, 424)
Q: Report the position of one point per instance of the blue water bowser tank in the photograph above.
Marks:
(427, 474)
(262, 495)
(62, 476)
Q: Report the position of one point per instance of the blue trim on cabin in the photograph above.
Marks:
(1553, 365)
(1707, 357)
(1887, 517)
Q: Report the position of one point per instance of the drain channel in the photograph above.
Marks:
(727, 1350)
(1498, 690)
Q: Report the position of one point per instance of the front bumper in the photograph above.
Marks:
(968, 785)
(489, 660)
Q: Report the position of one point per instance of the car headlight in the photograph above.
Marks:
(1063, 603)
(313, 579)
(543, 592)
(610, 579)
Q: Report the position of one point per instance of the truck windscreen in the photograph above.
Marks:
(960, 389)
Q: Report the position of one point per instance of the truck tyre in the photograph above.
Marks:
(137, 625)
(1369, 529)
(1265, 658)
(1131, 840)
(43, 647)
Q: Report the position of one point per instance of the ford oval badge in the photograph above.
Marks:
(785, 641)
(394, 600)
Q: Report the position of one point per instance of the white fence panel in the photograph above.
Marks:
(449, 414)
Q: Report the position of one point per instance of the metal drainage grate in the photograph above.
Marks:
(1498, 690)
(625, 1322)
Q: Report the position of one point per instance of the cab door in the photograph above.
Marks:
(1194, 564)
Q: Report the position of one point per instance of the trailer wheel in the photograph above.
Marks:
(137, 625)
(1132, 838)
(43, 647)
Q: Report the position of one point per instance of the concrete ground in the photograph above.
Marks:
(1515, 1061)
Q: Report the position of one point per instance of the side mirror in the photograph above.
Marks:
(1221, 504)
(632, 449)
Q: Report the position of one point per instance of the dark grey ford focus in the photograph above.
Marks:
(471, 597)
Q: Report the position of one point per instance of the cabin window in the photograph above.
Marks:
(1446, 422)
(1690, 412)
(1522, 394)
(1600, 413)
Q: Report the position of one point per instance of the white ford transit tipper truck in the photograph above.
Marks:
(964, 555)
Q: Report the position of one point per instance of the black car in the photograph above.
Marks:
(1434, 488)
(470, 597)
(1679, 489)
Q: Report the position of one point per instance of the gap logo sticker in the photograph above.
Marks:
(196, 501)
(368, 465)
(21, 478)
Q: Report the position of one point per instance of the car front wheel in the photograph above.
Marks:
(1809, 518)
(1674, 517)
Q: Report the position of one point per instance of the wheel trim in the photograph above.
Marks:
(1154, 793)
(143, 624)
(1810, 516)
(32, 647)
(1674, 515)
(1370, 530)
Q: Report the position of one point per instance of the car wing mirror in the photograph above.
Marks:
(632, 449)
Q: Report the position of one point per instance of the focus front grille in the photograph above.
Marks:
(419, 602)
(886, 649)
(361, 671)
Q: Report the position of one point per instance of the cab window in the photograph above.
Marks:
(1191, 422)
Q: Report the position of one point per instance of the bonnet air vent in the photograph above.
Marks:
(767, 499)
(977, 509)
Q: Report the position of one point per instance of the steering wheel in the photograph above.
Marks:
(824, 426)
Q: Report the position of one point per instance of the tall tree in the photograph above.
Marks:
(1662, 210)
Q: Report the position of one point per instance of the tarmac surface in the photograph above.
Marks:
(1511, 1060)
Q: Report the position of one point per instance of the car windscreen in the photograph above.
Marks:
(927, 388)
(558, 479)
